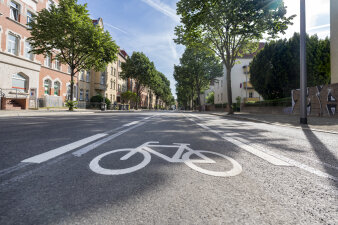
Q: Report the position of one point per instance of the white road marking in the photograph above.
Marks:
(130, 124)
(61, 150)
(94, 145)
(146, 149)
(291, 162)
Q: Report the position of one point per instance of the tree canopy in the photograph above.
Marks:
(139, 68)
(229, 28)
(198, 67)
(275, 69)
(67, 32)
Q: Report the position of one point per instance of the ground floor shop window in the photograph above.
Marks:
(57, 88)
(47, 86)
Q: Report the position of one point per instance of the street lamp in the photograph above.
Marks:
(303, 76)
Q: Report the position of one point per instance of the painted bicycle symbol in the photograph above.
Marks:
(146, 150)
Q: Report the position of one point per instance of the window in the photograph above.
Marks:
(14, 11)
(48, 61)
(68, 92)
(81, 94)
(47, 86)
(57, 88)
(114, 74)
(57, 64)
(81, 75)
(13, 44)
(111, 84)
(87, 95)
(119, 63)
(111, 97)
(221, 83)
(119, 87)
(250, 94)
(50, 3)
(28, 48)
(19, 82)
(88, 76)
(102, 77)
(29, 18)
(69, 69)
(114, 85)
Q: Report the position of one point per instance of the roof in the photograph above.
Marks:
(123, 53)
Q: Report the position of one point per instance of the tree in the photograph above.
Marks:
(129, 97)
(211, 97)
(275, 69)
(139, 68)
(198, 68)
(229, 27)
(67, 32)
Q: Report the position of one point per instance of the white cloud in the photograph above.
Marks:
(116, 28)
(163, 8)
(315, 9)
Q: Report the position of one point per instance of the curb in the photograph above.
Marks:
(276, 123)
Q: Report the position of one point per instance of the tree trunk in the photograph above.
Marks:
(229, 91)
(156, 102)
(70, 105)
(138, 96)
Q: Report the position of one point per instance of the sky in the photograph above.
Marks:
(148, 26)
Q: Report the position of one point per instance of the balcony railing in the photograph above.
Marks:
(99, 86)
(247, 85)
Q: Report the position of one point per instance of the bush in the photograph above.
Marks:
(276, 102)
(99, 98)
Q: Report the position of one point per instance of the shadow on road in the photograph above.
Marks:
(323, 153)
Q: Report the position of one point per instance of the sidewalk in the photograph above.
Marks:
(323, 124)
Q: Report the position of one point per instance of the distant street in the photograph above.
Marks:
(164, 168)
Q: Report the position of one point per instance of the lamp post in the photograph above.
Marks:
(303, 76)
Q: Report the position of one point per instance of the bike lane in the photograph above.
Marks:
(162, 192)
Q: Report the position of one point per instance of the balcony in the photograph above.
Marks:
(247, 85)
(256, 99)
(99, 86)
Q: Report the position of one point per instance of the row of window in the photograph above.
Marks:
(84, 76)
(81, 97)
(48, 87)
(15, 9)
(13, 46)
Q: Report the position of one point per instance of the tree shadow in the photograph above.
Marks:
(322, 152)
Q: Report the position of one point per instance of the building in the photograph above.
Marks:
(240, 82)
(203, 97)
(334, 40)
(27, 80)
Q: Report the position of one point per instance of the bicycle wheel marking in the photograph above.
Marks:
(179, 157)
(95, 166)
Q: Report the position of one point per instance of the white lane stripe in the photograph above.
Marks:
(130, 124)
(285, 159)
(271, 159)
(59, 151)
(94, 145)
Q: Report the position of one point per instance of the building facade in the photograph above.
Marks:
(27, 80)
(240, 82)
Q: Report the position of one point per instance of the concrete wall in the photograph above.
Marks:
(321, 100)
(334, 40)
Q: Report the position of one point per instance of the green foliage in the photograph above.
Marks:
(275, 69)
(230, 28)
(211, 97)
(67, 32)
(129, 97)
(198, 67)
(286, 102)
(99, 98)
(71, 104)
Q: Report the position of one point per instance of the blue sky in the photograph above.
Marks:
(148, 26)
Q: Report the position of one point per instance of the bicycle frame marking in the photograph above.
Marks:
(176, 158)
(179, 157)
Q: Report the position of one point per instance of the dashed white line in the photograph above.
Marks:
(61, 150)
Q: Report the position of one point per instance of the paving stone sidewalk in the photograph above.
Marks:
(324, 124)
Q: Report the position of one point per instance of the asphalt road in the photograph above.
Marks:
(198, 169)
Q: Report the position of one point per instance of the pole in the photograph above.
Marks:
(303, 76)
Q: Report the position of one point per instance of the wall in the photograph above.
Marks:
(237, 77)
(334, 41)
(321, 100)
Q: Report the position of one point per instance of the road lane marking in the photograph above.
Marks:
(64, 149)
(130, 124)
(291, 162)
(94, 145)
